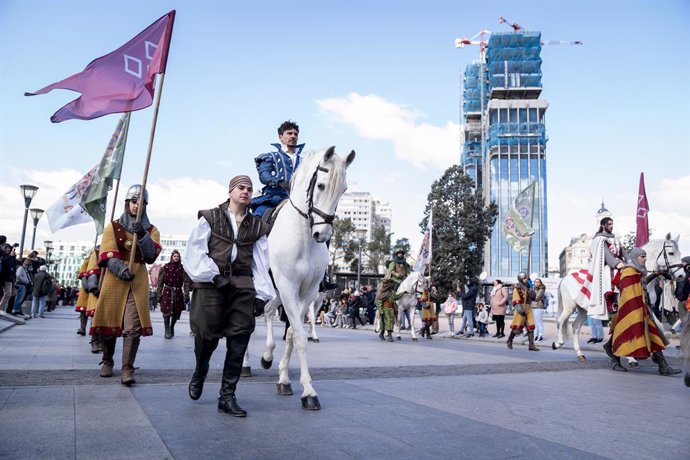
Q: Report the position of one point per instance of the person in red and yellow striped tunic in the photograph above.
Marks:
(635, 333)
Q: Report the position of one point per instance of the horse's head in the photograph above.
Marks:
(317, 186)
(664, 256)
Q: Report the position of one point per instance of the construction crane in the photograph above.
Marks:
(518, 28)
(482, 42)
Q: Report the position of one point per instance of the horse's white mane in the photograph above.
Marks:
(308, 164)
(408, 283)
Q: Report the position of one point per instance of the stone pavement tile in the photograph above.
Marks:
(38, 423)
(576, 409)
(111, 425)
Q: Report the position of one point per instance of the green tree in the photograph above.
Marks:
(462, 224)
(344, 239)
(404, 244)
(628, 240)
(378, 249)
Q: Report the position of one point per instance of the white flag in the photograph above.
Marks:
(424, 256)
(66, 211)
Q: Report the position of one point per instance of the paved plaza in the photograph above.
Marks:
(440, 398)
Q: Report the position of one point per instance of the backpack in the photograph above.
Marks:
(46, 286)
(545, 301)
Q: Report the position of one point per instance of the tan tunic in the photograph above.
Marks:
(92, 269)
(110, 308)
(83, 297)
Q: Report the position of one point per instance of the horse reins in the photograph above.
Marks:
(327, 218)
(669, 268)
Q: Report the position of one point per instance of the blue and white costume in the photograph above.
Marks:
(274, 168)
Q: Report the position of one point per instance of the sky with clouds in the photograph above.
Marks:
(382, 78)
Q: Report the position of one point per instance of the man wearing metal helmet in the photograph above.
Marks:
(523, 315)
(227, 259)
(123, 303)
(396, 272)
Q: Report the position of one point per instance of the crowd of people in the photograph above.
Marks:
(25, 279)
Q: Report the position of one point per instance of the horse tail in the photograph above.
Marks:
(559, 318)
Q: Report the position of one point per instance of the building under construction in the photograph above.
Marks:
(505, 141)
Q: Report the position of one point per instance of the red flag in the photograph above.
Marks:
(642, 234)
(121, 81)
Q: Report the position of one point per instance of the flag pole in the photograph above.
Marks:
(146, 167)
(124, 150)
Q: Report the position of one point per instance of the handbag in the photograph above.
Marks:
(520, 308)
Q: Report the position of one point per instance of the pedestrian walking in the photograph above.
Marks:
(227, 259)
(122, 309)
(499, 304)
(173, 292)
(43, 286)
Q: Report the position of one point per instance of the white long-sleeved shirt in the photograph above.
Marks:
(202, 269)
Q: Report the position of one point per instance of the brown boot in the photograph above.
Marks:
(96, 346)
(107, 362)
(129, 353)
(664, 368)
(510, 339)
(82, 323)
(530, 337)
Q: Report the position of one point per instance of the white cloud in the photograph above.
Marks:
(572, 214)
(372, 117)
(173, 207)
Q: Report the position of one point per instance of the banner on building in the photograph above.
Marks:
(518, 225)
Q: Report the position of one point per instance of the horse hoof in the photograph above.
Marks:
(581, 358)
(415, 340)
(266, 364)
(309, 339)
(553, 346)
(246, 371)
(687, 379)
(284, 389)
(634, 364)
(316, 340)
(311, 403)
(399, 338)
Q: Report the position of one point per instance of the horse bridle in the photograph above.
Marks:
(327, 218)
(669, 268)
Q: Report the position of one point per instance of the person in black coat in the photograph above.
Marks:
(469, 300)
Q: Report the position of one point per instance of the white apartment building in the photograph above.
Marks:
(366, 213)
(67, 256)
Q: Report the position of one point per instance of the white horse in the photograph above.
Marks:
(299, 257)
(662, 256)
(269, 315)
(413, 285)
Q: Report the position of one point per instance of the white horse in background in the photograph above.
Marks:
(409, 289)
(299, 257)
(662, 256)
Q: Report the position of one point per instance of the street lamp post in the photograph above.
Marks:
(36, 216)
(28, 192)
(360, 236)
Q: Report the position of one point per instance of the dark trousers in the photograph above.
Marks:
(500, 323)
(217, 314)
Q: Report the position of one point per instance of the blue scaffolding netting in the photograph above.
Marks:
(513, 60)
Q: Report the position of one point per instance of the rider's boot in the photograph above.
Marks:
(664, 368)
(530, 337)
(509, 343)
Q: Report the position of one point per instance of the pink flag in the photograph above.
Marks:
(121, 81)
(642, 234)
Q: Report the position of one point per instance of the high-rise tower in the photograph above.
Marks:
(505, 142)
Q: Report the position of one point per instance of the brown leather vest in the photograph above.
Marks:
(221, 241)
